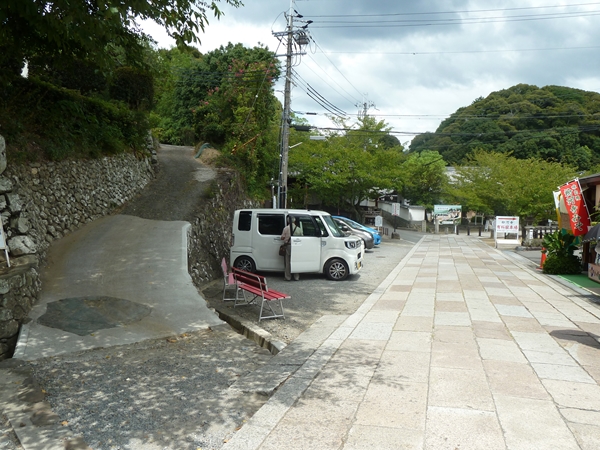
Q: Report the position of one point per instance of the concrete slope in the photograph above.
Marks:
(139, 262)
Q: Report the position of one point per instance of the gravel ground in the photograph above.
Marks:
(314, 296)
(160, 394)
(175, 393)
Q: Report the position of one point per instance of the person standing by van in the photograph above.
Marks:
(286, 237)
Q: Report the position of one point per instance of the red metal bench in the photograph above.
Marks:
(256, 286)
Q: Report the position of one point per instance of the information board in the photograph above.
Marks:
(507, 225)
(447, 214)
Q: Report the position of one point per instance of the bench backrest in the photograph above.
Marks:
(252, 279)
(227, 276)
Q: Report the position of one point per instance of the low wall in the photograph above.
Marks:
(40, 203)
(410, 216)
(210, 236)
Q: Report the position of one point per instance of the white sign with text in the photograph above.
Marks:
(507, 225)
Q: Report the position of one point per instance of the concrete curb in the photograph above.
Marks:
(29, 414)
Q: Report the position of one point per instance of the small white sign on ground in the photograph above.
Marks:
(507, 225)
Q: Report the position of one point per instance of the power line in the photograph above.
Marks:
(461, 11)
(413, 53)
(318, 98)
(560, 130)
(446, 22)
(324, 81)
(336, 68)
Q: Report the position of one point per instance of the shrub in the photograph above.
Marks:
(133, 86)
(562, 265)
(560, 243)
(71, 73)
(42, 121)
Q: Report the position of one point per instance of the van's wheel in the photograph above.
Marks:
(245, 263)
(336, 270)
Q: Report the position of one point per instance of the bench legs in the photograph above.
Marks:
(273, 314)
(229, 287)
(269, 311)
(243, 301)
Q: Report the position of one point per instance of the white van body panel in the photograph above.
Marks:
(257, 236)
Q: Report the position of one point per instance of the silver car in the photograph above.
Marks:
(366, 237)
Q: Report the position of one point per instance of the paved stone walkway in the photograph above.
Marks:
(461, 347)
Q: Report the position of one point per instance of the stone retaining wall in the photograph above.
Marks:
(210, 237)
(40, 203)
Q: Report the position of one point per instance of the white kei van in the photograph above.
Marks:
(318, 246)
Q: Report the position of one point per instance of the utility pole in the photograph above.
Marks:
(299, 38)
(287, 101)
(365, 108)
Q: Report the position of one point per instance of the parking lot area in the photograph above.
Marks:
(313, 296)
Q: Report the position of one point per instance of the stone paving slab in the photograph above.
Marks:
(462, 346)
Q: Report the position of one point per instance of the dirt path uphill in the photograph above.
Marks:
(174, 194)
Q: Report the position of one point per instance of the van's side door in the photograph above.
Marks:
(306, 245)
(267, 241)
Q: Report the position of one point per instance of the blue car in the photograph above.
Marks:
(353, 224)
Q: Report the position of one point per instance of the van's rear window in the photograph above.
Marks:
(271, 224)
(245, 221)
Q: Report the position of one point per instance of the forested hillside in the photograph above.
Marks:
(553, 123)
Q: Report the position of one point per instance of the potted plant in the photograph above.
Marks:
(560, 247)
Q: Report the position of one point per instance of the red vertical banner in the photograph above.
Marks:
(579, 217)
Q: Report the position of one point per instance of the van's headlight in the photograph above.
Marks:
(352, 244)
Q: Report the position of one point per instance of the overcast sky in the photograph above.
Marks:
(416, 62)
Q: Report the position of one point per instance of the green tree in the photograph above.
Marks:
(497, 183)
(132, 86)
(203, 93)
(90, 30)
(226, 98)
(349, 167)
(424, 178)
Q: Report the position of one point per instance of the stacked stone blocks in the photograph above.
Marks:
(42, 202)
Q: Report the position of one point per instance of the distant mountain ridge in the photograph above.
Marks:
(553, 123)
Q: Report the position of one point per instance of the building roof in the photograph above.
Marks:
(590, 180)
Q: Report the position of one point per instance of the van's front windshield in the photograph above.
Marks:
(335, 231)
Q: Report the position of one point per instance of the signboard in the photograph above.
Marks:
(3, 244)
(447, 214)
(594, 272)
(507, 225)
(395, 209)
(378, 221)
(579, 218)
